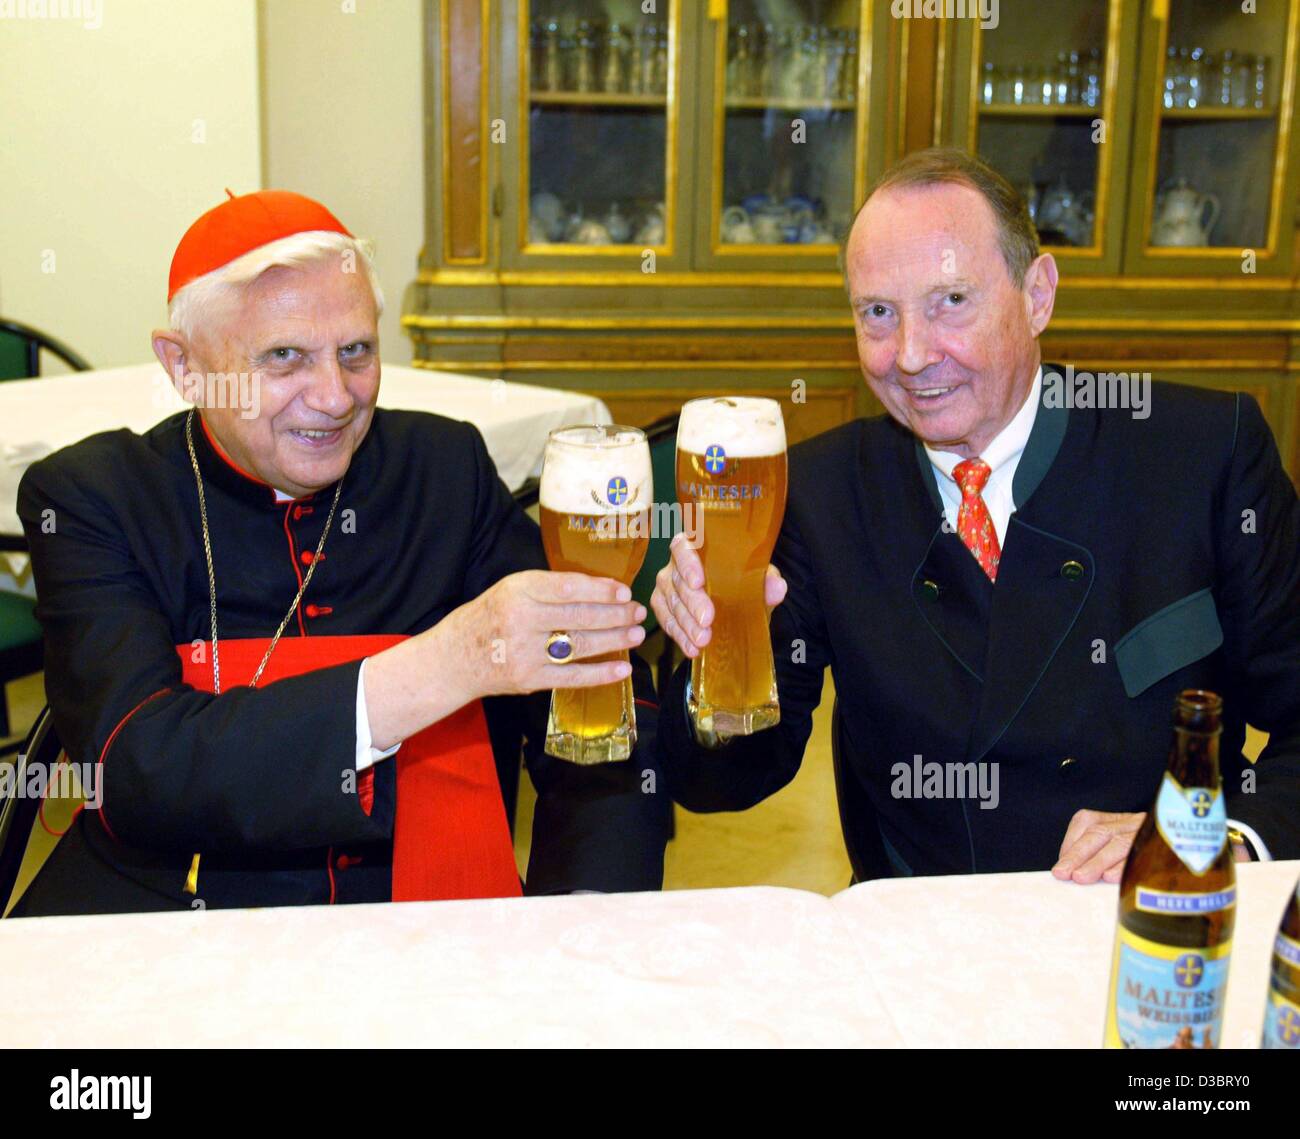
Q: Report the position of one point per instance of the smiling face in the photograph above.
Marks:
(947, 341)
(309, 336)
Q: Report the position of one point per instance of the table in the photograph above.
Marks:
(987, 961)
(42, 415)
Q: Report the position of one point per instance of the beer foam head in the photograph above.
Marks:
(596, 470)
(746, 427)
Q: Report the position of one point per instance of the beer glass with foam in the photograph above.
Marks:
(594, 499)
(731, 483)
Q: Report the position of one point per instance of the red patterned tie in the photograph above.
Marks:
(974, 525)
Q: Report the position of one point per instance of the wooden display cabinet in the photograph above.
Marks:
(544, 261)
(752, 130)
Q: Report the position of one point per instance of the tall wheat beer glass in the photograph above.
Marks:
(595, 512)
(731, 483)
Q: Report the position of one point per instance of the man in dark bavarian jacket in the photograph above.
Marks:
(273, 626)
(1011, 575)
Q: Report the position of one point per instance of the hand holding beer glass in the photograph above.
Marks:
(595, 498)
(731, 483)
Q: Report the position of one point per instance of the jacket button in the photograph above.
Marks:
(297, 513)
(1068, 762)
(1072, 571)
(930, 589)
(307, 557)
(318, 610)
(345, 860)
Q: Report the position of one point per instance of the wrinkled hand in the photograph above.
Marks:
(684, 609)
(1096, 845)
(499, 638)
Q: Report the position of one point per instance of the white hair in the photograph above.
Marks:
(196, 301)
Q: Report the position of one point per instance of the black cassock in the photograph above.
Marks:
(251, 779)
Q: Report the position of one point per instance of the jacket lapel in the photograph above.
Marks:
(1043, 582)
(1008, 635)
(953, 596)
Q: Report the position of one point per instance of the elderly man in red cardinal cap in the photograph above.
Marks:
(290, 639)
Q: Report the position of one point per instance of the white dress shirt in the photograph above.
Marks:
(366, 755)
(1003, 457)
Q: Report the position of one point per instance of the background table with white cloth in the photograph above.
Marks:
(971, 961)
(39, 416)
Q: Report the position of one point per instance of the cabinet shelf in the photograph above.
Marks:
(1039, 110)
(1220, 113)
(769, 103)
(595, 99)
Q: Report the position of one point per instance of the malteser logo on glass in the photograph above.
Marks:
(75, 1092)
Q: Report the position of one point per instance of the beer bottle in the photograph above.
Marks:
(1177, 899)
(1282, 1014)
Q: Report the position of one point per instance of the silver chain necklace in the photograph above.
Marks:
(212, 580)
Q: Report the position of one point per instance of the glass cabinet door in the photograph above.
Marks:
(1217, 111)
(784, 162)
(598, 93)
(1043, 108)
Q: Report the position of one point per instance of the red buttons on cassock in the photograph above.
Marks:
(307, 557)
(345, 860)
(318, 610)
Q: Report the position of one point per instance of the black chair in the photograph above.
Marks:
(17, 811)
(20, 635)
(20, 351)
(22, 649)
(858, 820)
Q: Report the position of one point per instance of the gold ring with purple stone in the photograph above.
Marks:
(559, 648)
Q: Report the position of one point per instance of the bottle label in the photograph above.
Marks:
(1281, 1022)
(1164, 996)
(1287, 950)
(1193, 821)
(1171, 902)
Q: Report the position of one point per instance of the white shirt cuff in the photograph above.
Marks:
(1261, 851)
(367, 755)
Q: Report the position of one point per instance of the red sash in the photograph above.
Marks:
(450, 835)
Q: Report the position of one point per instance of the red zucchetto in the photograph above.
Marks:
(239, 226)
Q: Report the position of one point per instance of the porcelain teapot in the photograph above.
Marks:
(587, 231)
(1057, 206)
(737, 229)
(1180, 214)
(653, 230)
(617, 225)
(1062, 211)
(548, 212)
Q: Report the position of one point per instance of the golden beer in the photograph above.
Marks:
(731, 483)
(594, 504)
(1177, 899)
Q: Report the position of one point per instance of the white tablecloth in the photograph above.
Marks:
(990, 961)
(39, 416)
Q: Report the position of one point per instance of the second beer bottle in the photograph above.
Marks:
(1282, 1014)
